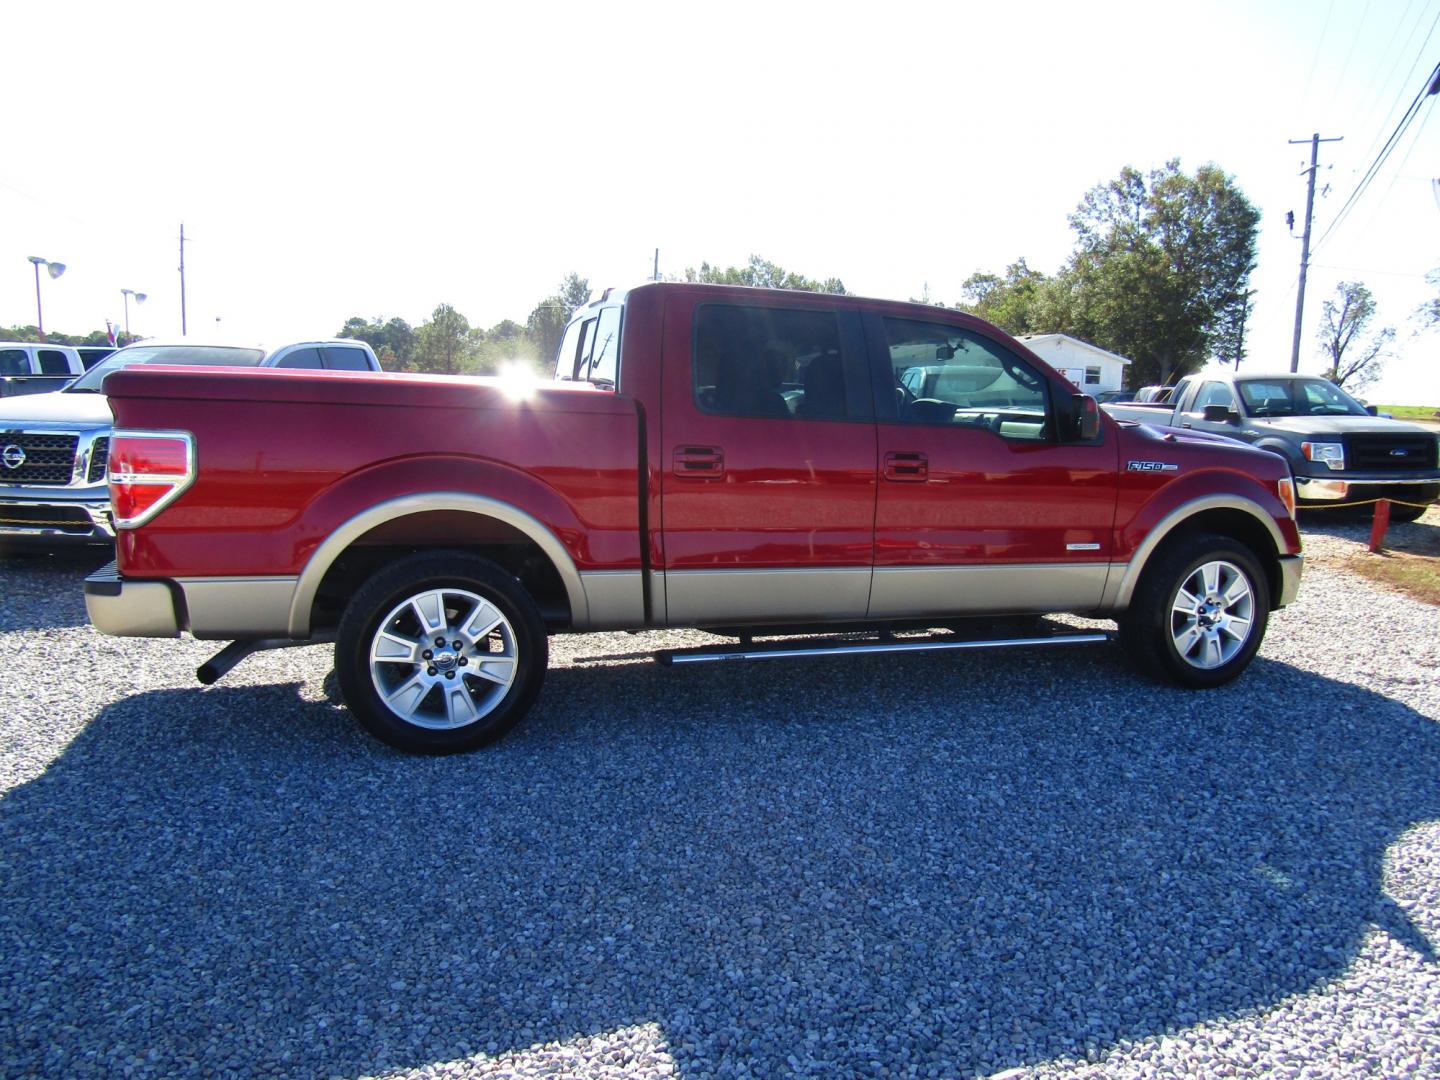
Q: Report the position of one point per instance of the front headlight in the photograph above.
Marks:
(1331, 453)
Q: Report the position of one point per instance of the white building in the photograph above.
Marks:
(1091, 369)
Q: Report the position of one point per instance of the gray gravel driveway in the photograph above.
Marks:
(904, 866)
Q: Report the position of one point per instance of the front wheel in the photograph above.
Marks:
(441, 652)
(1199, 612)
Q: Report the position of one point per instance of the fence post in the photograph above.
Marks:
(1382, 523)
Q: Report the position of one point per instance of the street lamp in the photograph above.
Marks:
(139, 299)
(54, 269)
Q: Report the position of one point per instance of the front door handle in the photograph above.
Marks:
(907, 466)
(699, 462)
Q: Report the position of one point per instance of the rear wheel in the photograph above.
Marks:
(441, 652)
(1199, 612)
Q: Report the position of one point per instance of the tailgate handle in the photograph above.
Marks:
(699, 462)
(907, 466)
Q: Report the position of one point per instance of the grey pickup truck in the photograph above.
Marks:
(1339, 450)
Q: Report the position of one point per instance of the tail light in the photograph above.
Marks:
(147, 471)
(1286, 491)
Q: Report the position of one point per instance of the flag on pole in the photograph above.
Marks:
(113, 332)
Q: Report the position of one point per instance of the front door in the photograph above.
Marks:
(981, 507)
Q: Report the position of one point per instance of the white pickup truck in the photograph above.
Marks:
(53, 445)
(30, 368)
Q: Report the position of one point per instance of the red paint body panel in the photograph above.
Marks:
(286, 457)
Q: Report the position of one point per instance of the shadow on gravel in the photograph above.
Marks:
(959, 866)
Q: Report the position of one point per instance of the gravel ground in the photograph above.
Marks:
(1019, 863)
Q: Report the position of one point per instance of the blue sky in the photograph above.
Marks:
(337, 160)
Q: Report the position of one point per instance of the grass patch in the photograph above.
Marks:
(1411, 412)
(1409, 561)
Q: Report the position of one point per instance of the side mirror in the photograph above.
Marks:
(1086, 415)
(1373, 410)
(1220, 414)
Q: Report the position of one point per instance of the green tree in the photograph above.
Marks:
(393, 341)
(1161, 269)
(763, 274)
(547, 321)
(1009, 301)
(1428, 313)
(1354, 354)
(443, 344)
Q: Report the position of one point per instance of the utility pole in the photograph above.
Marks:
(657, 265)
(1314, 142)
(183, 329)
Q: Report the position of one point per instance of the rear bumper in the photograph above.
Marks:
(221, 609)
(130, 608)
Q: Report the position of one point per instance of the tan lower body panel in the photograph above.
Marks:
(702, 597)
(902, 591)
(226, 609)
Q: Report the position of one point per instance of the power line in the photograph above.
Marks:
(1432, 85)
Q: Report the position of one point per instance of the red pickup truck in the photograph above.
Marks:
(746, 461)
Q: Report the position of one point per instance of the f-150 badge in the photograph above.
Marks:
(1150, 466)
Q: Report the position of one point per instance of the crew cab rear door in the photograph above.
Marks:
(769, 471)
(982, 508)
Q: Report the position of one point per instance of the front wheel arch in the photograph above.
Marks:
(1199, 612)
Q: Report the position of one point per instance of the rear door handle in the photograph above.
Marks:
(699, 462)
(907, 466)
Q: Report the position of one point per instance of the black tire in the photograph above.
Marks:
(1193, 640)
(443, 696)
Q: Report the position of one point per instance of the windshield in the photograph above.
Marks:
(1298, 397)
(199, 355)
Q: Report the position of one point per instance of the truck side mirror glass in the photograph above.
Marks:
(1373, 410)
(1086, 414)
(1219, 414)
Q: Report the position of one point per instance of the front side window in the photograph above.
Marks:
(768, 362)
(952, 376)
(14, 362)
(53, 362)
(302, 358)
(1214, 393)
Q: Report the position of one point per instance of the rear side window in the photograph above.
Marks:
(53, 362)
(605, 355)
(14, 362)
(302, 358)
(565, 358)
(346, 358)
(768, 362)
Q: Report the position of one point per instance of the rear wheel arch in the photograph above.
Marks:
(498, 531)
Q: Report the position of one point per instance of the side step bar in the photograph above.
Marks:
(781, 650)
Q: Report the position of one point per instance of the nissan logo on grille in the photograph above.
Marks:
(13, 456)
(1393, 453)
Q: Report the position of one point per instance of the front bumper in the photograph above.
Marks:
(1317, 491)
(56, 521)
(1290, 569)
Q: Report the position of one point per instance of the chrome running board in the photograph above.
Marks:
(781, 650)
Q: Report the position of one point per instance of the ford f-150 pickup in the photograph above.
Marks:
(750, 462)
(1339, 451)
